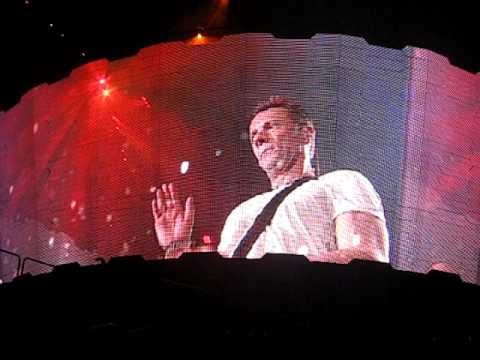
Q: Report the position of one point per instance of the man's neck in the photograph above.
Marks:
(297, 172)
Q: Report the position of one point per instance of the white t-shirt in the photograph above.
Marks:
(304, 222)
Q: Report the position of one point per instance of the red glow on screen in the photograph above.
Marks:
(207, 239)
(106, 92)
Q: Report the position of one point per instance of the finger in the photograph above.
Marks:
(155, 210)
(174, 196)
(189, 212)
(165, 192)
(166, 196)
(160, 201)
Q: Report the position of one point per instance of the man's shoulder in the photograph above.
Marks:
(346, 180)
(342, 175)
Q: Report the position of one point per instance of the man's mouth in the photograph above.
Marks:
(265, 150)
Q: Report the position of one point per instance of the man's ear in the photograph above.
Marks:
(307, 132)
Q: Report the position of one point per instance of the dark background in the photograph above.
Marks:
(43, 40)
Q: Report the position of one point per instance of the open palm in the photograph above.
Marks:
(173, 221)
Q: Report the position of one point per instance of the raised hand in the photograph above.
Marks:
(173, 221)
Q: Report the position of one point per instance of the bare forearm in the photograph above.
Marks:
(359, 236)
(344, 256)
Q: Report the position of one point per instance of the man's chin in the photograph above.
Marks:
(269, 166)
(265, 166)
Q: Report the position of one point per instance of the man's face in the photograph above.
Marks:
(276, 141)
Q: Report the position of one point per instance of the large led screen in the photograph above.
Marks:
(186, 148)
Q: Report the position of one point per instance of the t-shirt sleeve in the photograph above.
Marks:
(351, 191)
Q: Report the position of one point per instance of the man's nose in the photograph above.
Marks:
(259, 140)
(261, 137)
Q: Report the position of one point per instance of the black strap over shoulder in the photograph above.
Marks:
(264, 218)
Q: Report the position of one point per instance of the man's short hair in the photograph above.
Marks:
(295, 111)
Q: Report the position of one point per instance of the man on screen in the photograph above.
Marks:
(335, 217)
